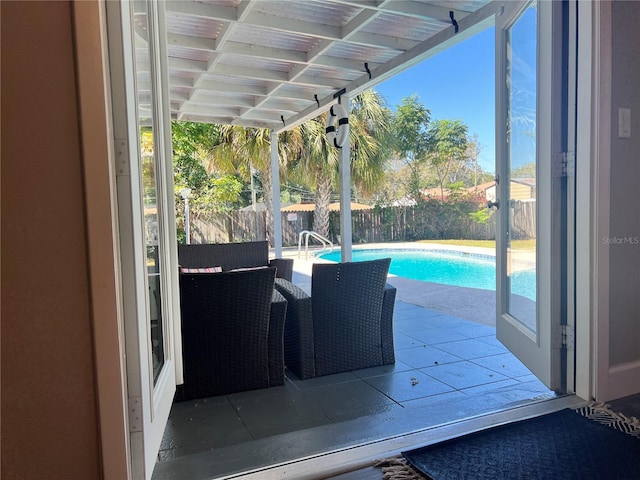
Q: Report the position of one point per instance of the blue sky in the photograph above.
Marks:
(456, 84)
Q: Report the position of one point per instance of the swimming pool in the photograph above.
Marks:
(447, 267)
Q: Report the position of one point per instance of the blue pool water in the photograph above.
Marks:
(447, 267)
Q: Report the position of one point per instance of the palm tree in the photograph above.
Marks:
(316, 167)
(371, 147)
(318, 161)
(305, 153)
(240, 151)
(243, 149)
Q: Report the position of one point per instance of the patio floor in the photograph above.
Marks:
(447, 368)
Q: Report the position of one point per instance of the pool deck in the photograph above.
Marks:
(460, 302)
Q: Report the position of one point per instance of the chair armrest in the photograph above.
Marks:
(276, 339)
(386, 324)
(299, 350)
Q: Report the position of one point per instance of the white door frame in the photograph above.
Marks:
(540, 349)
(590, 280)
(149, 402)
(592, 283)
(94, 100)
(609, 381)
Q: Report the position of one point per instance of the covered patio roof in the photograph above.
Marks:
(278, 63)
(274, 64)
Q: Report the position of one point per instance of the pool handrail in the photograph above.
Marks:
(309, 233)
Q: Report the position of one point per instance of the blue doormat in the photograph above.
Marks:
(590, 443)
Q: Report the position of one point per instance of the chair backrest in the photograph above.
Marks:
(226, 255)
(347, 308)
(225, 328)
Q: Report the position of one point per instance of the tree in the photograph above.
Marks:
(527, 170)
(317, 166)
(236, 151)
(370, 141)
(242, 150)
(447, 146)
(192, 144)
(411, 139)
(211, 191)
(317, 163)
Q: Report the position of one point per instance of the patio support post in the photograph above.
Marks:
(275, 195)
(345, 193)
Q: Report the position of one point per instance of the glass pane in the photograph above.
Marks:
(521, 137)
(149, 189)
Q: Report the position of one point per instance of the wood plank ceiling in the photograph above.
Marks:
(275, 64)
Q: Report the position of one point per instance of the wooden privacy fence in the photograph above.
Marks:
(232, 227)
(523, 219)
(388, 224)
(407, 224)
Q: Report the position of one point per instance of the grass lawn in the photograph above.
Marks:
(528, 245)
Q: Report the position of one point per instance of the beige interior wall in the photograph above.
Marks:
(49, 412)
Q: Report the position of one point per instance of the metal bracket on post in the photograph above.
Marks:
(122, 157)
(135, 414)
(564, 337)
(564, 164)
(568, 337)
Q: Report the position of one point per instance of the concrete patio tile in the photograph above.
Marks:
(349, 400)
(404, 308)
(277, 414)
(506, 364)
(409, 385)
(462, 375)
(434, 336)
(404, 340)
(319, 381)
(192, 429)
(489, 387)
(435, 402)
(528, 378)
(288, 387)
(471, 349)
(408, 325)
(506, 396)
(383, 370)
(474, 330)
(448, 321)
(425, 356)
(201, 407)
(491, 340)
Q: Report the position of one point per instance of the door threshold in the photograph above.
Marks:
(362, 456)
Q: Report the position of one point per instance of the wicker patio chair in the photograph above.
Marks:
(346, 324)
(231, 332)
(231, 256)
